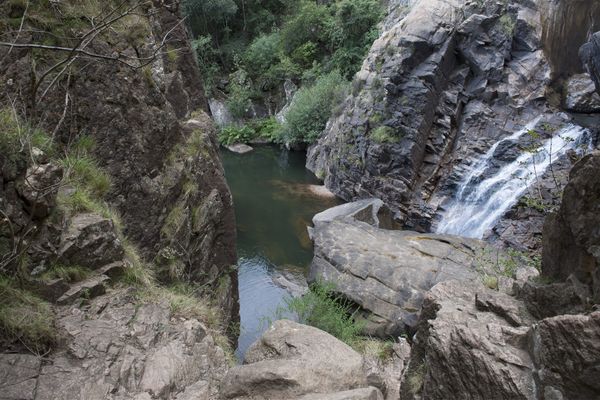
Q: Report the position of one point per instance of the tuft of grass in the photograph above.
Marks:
(25, 318)
(380, 349)
(70, 273)
(384, 134)
(83, 171)
(137, 273)
(322, 308)
(174, 221)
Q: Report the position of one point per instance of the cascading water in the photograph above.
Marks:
(479, 203)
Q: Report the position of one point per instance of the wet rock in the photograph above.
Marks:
(566, 352)
(291, 360)
(90, 241)
(572, 234)
(294, 283)
(387, 273)
(240, 148)
(464, 349)
(581, 95)
(40, 188)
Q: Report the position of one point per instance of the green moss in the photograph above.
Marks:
(508, 24)
(25, 318)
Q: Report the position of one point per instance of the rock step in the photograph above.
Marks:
(89, 288)
(368, 393)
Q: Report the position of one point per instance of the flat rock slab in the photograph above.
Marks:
(388, 272)
(240, 148)
(369, 393)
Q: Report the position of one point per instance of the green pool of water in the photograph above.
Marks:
(273, 207)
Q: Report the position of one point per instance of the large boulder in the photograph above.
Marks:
(90, 241)
(472, 343)
(291, 360)
(387, 272)
(572, 234)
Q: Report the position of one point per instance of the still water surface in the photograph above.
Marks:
(273, 207)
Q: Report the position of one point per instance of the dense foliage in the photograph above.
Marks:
(255, 45)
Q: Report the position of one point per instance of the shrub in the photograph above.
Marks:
(325, 310)
(262, 53)
(236, 134)
(312, 107)
(25, 318)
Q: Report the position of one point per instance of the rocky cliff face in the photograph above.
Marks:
(167, 179)
(436, 91)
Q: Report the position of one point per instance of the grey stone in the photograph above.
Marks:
(18, 376)
(90, 241)
(291, 360)
(86, 289)
(240, 148)
(581, 95)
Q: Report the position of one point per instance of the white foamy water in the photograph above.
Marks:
(479, 203)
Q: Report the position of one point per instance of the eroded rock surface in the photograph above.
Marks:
(119, 348)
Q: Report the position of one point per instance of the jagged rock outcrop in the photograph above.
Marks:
(385, 272)
(291, 360)
(119, 347)
(471, 343)
(572, 234)
(435, 92)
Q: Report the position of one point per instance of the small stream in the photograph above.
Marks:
(273, 207)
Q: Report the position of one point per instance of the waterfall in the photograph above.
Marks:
(480, 202)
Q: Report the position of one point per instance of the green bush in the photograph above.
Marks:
(312, 107)
(263, 52)
(325, 310)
